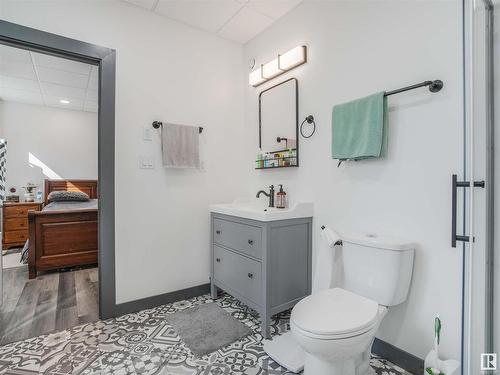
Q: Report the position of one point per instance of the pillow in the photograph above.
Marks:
(65, 196)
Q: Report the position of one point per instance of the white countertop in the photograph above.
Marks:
(257, 211)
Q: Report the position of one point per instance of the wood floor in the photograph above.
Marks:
(51, 302)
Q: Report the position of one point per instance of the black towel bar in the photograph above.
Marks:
(434, 86)
(158, 124)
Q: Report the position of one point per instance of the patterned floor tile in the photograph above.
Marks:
(145, 344)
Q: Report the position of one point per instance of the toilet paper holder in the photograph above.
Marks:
(338, 243)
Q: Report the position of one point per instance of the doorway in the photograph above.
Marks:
(48, 126)
(103, 59)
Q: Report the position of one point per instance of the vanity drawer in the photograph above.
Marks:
(239, 273)
(241, 237)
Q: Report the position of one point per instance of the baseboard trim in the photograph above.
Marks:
(399, 357)
(161, 299)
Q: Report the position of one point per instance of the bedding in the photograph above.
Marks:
(90, 204)
(24, 252)
(62, 196)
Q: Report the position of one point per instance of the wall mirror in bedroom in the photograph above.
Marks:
(278, 126)
(49, 193)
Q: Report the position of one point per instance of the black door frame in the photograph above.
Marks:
(105, 58)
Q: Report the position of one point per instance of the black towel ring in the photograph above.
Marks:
(310, 120)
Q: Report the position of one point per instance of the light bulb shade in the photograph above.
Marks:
(255, 78)
(283, 63)
(293, 58)
(271, 69)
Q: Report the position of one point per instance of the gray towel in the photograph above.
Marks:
(180, 146)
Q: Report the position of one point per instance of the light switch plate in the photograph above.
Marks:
(146, 162)
(147, 133)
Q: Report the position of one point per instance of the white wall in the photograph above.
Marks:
(47, 142)
(355, 49)
(171, 72)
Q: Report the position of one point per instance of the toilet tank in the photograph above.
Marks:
(377, 267)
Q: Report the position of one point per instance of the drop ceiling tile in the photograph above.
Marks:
(62, 92)
(53, 101)
(20, 96)
(61, 77)
(209, 15)
(273, 8)
(90, 106)
(147, 4)
(92, 95)
(66, 65)
(18, 70)
(15, 55)
(94, 78)
(245, 25)
(19, 83)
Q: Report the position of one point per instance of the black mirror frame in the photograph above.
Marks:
(296, 114)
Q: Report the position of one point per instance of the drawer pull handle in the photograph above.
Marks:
(250, 242)
(217, 232)
(250, 275)
(217, 260)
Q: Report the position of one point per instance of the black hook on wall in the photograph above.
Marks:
(310, 120)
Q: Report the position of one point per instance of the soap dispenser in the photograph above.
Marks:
(280, 198)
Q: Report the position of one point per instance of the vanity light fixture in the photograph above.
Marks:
(64, 101)
(283, 63)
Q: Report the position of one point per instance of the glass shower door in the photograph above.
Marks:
(478, 193)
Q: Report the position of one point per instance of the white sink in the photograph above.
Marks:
(256, 211)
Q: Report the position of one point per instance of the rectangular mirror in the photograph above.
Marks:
(278, 126)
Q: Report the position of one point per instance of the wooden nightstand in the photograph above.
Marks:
(15, 222)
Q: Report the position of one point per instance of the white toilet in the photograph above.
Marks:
(336, 327)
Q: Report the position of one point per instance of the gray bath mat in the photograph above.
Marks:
(206, 328)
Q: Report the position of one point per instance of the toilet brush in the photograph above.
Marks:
(437, 338)
(434, 365)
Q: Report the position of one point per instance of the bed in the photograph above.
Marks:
(63, 234)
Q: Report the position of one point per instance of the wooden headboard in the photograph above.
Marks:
(86, 186)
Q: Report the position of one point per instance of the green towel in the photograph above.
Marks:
(359, 128)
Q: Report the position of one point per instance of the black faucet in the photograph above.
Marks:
(270, 195)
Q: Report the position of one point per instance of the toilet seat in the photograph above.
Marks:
(334, 314)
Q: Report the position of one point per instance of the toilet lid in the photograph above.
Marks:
(334, 312)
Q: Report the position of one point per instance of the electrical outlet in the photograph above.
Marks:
(146, 162)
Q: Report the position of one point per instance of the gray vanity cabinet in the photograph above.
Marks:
(266, 265)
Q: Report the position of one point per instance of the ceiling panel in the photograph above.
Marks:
(209, 15)
(94, 78)
(30, 77)
(18, 70)
(54, 101)
(274, 9)
(245, 25)
(19, 83)
(90, 106)
(14, 55)
(92, 95)
(58, 63)
(147, 4)
(237, 20)
(63, 92)
(61, 77)
(22, 96)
